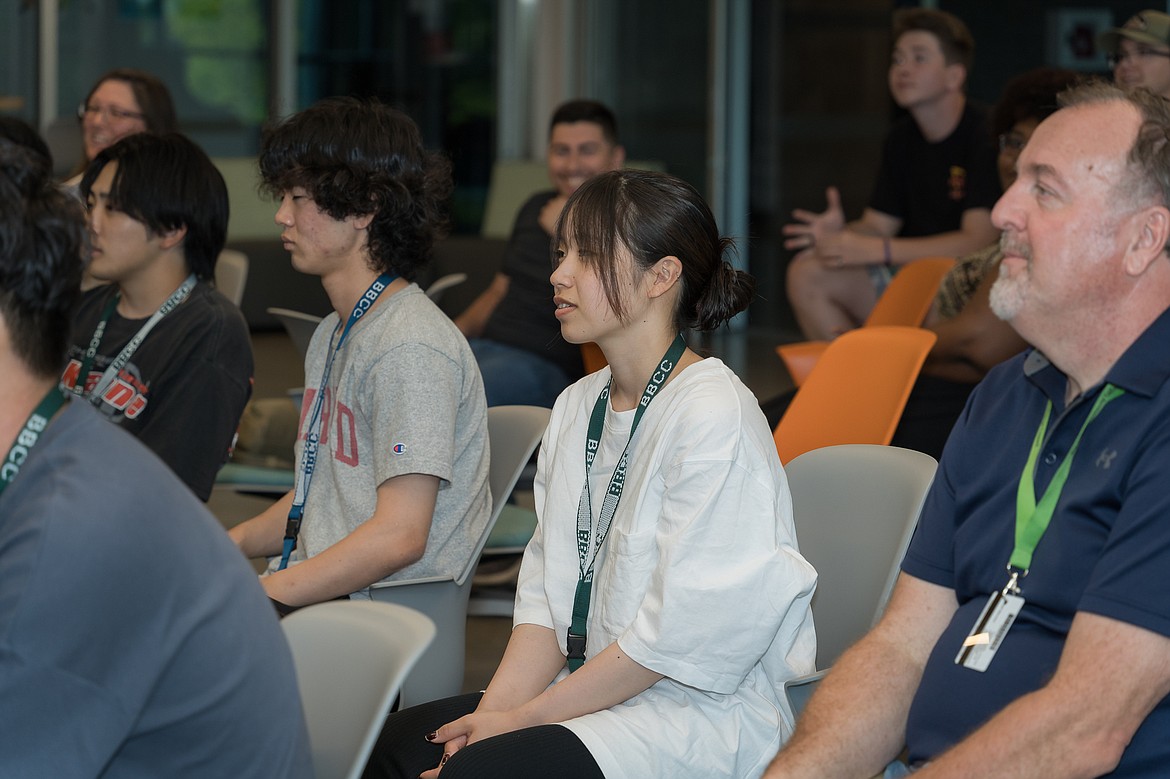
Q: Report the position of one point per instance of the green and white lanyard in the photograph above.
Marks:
(29, 435)
(308, 463)
(986, 637)
(119, 362)
(577, 633)
(1032, 517)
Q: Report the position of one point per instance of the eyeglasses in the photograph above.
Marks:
(111, 112)
(1011, 143)
(1117, 57)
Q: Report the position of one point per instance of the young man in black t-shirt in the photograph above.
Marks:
(934, 191)
(157, 349)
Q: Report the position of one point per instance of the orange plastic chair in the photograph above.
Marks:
(593, 357)
(905, 302)
(856, 392)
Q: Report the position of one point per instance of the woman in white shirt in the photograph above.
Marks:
(676, 540)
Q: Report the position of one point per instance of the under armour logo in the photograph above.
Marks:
(1105, 459)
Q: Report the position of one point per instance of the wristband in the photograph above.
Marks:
(889, 261)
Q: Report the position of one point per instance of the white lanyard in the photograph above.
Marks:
(123, 357)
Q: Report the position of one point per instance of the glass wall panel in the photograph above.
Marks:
(18, 62)
(650, 62)
(434, 59)
(212, 54)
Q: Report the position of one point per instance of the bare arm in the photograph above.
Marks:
(1111, 675)
(393, 538)
(263, 534)
(531, 661)
(473, 320)
(602, 682)
(837, 737)
(975, 231)
(972, 342)
(862, 242)
(875, 223)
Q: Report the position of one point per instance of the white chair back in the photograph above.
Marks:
(351, 658)
(855, 508)
(231, 275)
(444, 283)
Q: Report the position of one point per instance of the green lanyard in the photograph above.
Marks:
(29, 435)
(575, 640)
(1032, 518)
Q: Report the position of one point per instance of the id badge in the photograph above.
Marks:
(981, 644)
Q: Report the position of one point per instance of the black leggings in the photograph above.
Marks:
(401, 752)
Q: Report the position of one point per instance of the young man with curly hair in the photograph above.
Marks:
(392, 447)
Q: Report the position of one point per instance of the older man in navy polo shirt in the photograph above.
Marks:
(1029, 635)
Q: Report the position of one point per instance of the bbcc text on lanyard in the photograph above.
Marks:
(577, 634)
(29, 435)
(123, 357)
(308, 462)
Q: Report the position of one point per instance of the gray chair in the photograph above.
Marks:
(299, 326)
(800, 689)
(443, 283)
(513, 433)
(351, 658)
(855, 508)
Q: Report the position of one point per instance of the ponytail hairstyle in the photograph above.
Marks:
(655, 215)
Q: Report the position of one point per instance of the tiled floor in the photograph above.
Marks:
(749, 353)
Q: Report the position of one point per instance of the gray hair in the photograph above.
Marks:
(1149, 157)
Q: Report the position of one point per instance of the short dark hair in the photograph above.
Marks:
(954, 39)
(167, 182)
(586, 111)
(151, 94)
(1031, 95)
(361, 157)
(42, 231)
(655, 215)
(21, 133)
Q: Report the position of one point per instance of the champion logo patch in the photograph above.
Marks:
(398, 448)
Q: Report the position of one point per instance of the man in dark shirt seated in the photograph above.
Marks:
(158, 350)
(510, 326)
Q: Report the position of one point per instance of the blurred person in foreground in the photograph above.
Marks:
(135, 642)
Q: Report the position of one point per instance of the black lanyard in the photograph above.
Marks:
(308, 462)
(29, 435)
(575, 641)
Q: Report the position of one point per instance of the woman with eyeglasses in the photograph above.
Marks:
(124, 101)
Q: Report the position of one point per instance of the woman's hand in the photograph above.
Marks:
(467, 730)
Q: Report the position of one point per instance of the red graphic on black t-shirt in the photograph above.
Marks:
(957, 183)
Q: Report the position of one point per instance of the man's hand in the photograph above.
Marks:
(818, 232)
